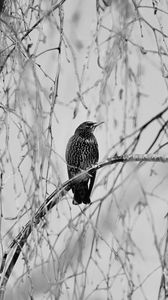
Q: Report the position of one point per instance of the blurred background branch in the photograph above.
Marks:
(64, 62)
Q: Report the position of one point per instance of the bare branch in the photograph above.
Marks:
(51, 201)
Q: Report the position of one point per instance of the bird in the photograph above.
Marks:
(2, 5)
(82, 153)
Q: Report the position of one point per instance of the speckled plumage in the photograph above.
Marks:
(82, 153)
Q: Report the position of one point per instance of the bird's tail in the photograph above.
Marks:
(81, 194)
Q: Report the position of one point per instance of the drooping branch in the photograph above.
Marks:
(51, 201)
(47, 14)
(163, 289)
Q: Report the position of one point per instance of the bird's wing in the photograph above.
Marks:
(91, 182)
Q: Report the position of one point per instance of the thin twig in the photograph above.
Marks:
(51, 201)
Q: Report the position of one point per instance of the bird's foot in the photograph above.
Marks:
(74, 202)
(86, 201)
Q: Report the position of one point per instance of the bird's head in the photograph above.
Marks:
(87, 127)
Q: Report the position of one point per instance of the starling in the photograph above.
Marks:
(82, 153)
(2, 5)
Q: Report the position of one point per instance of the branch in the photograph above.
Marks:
(47, 14)
(51, 201)
(163, 289)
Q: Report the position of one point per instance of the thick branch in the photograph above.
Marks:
(51, 201)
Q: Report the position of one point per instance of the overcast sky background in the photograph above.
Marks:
(80, 22)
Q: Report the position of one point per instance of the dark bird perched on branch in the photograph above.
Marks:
(2, 5)
(82, 153)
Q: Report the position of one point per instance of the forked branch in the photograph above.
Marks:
(53, 199)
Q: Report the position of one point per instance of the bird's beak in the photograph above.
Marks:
(97, 124)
